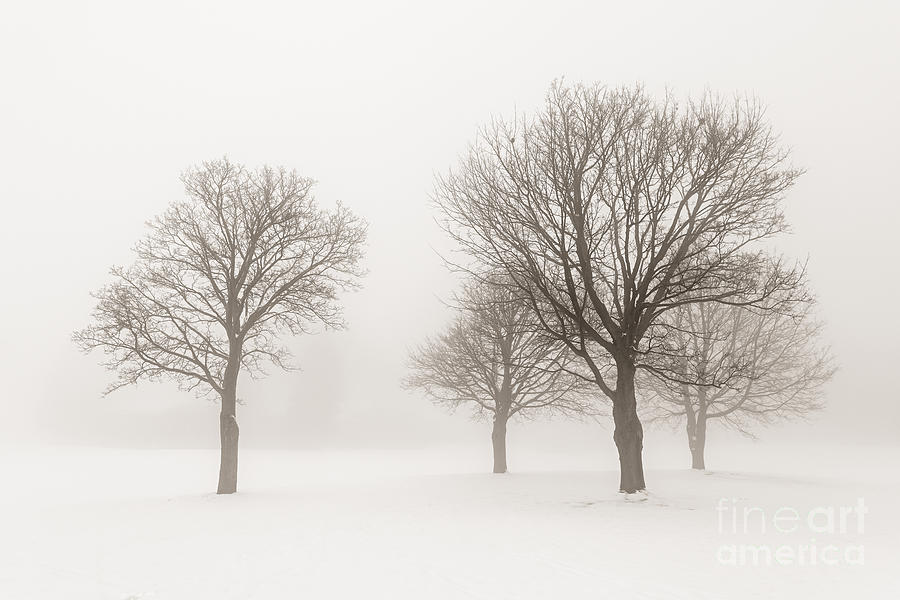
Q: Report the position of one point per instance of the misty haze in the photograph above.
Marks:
(459, 300)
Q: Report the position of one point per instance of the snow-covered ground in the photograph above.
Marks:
(117, 524)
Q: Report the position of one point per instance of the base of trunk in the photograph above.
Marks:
(228, 429)
(629, 442)
(697, 445)
(498, 441)
(628, 435)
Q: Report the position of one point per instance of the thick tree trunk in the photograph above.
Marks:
(228, 431)
(628, 435)
(498, 438)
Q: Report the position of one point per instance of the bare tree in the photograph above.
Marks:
(246, 255)
(738, 365)
(607, 209)
(496, 358)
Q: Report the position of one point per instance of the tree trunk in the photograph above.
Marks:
(698, 445)
(696, 431)
(228, 431)
(502, 405)
(498, 437)
(698, 440)
(628, 435)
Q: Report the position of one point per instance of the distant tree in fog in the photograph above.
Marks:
(245, 256)
(496, 358)
(607, 208)
(737, 365)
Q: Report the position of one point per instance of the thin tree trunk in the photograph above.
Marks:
(698, 440)
(628, 435)
(503, 403)
(698, 445)
(498, 438)
(228, 431)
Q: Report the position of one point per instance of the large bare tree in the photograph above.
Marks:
(608, 208)
(496, 358)
(246, 255)
(737, 365)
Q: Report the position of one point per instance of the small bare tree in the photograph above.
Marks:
(496, 358)
(246, 255)
(737, 365)
(607, 209)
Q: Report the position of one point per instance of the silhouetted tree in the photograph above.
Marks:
(737, 365)
(246, 255)
(496, 358)
(607, 209)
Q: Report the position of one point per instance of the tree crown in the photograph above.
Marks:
(246, 254)
(608, 208)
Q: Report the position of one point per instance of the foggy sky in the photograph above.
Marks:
(103, 105)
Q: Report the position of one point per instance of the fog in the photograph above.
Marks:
(103, 105)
